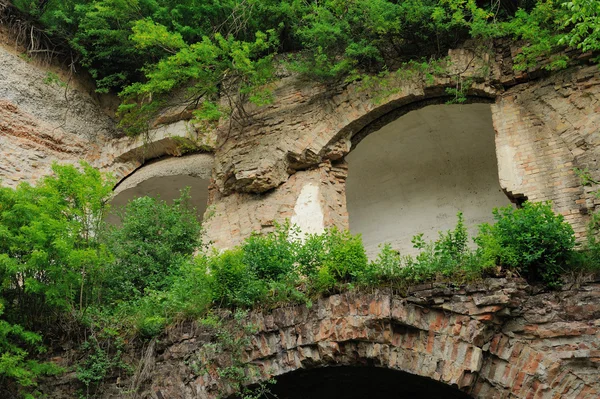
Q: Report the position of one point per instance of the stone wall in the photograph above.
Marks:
(314, 199)
(495, 339)
(294, 149)
(544, 129)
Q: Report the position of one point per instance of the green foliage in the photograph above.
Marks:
(272, 268)
(442, 256)
(232, 283)
(590, 256)
(585, 176)
(532, 241)
(152, 242)
(58, 263)
(50, 255)
(343, 255)
(53, 79)
(211, 63)
(271, 257)
(341, 37)
(51, 262)
(102, 355)
(232, 336)
(446, 259)
(581, 24)
(16, 364)
(226, 50)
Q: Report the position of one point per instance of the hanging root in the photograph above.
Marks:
(144, 368)
(30, 35)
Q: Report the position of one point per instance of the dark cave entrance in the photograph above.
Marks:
(359, 383)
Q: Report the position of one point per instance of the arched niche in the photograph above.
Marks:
(164, 179)
(415, 173)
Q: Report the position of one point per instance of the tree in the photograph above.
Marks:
(151, 244)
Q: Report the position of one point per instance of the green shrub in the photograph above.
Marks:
(102, 357)
(443, 255)
(17, 362)
(150, 245)
(231, 281)
(344, 255)
(152, 326)
(533, 241)
(387, 269)
(448, 258)
(271, 256)
(311, 254)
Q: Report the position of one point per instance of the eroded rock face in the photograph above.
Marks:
(545, 125)
(495, 339)
(234, 217)
(310, 123)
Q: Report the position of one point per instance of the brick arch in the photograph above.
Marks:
(545, 126)
(480, 339)
(389, 112)
(419, 165)
(197, 165)
(125, 156)
(310, 123)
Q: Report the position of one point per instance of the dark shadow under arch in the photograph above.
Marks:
(359, 382)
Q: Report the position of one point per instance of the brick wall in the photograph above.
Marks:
(544, 129)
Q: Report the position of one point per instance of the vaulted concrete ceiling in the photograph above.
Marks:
(165, 178)
(414, 175)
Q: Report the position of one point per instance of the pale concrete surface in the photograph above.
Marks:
(198, 165)
(416, 173)
(308, 215)
(165, 179)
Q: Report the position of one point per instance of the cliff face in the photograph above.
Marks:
(45, 117)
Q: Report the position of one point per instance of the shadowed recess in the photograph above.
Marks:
(359, 383)
(166, 188)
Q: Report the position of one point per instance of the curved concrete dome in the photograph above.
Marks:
(414, 175)
(165, 178)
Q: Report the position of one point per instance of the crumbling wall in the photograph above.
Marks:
(545, 129)
(499, 338)
(546, 124)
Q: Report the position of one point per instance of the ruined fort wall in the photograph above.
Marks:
(498, 338)
(288, 158)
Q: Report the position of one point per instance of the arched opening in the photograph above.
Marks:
(414, 174)
(358, 383)
(165, 179)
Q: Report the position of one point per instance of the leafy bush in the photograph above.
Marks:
(57, 262)
(16, 364)
(533, 241)
(589, 258)
(146, 49)
(50, 256)
(102, 356)
(272, 256)
(272, 268)
(446, 259)
(150, 245)
(232, 282)
(343, 255)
